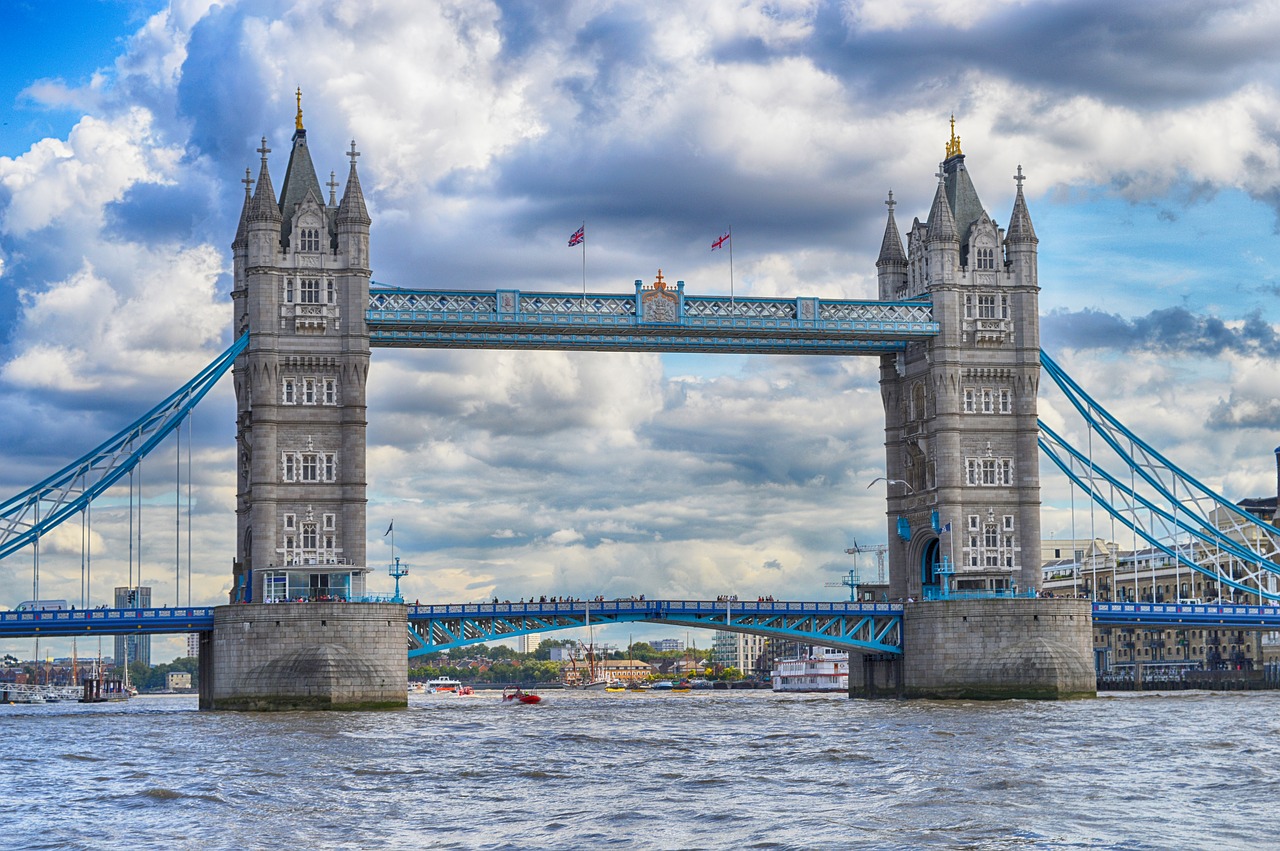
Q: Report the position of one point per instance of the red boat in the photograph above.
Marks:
(520, 696)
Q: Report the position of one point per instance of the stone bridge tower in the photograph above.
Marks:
(301, 291)
(960, 409)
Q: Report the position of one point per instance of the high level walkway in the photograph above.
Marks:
(657, 319)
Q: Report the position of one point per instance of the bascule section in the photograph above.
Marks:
(960, 408)
(300, 293)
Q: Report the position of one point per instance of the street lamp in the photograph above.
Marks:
(397, 570)
(891, 482)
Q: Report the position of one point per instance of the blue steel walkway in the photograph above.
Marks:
(860, 627)
(105, 622)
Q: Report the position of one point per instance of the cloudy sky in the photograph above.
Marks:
(489, 131)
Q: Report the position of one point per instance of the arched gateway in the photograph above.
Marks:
(955, 326)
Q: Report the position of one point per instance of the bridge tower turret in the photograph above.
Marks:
(300, 291)
(960, 409)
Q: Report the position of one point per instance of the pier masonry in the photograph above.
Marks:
(264, 657)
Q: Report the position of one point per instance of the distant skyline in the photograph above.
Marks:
(490, 131)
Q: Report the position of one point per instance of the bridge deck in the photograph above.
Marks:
(156, 621)
(664, 320)
(864, 624)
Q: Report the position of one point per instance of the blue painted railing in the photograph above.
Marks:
(658, 318)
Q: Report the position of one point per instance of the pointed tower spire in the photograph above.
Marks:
(299, 178)
(1020, 228)
(942, 222)
(352, 208)
(242, 229)
(891, 253)
(263, 208)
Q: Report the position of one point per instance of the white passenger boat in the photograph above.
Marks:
(443, 685)
(821, 669)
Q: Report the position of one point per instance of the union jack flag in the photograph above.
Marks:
(579, 236)
(719, 242)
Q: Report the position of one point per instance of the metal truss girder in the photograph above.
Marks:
(154, 621)
(510, 319)
(42, 507)
(860, 627)
(383, 337)
(1178, 615)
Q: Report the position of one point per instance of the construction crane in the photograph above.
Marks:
(857, 576)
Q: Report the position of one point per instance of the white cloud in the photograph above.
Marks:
(76, 179)
(902, 14)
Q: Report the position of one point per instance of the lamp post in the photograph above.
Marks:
(397, 570)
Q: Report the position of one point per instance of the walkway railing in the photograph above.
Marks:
(660, 319)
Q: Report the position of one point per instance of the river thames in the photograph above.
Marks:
(701, 770)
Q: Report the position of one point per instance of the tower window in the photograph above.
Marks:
(309, 391)
(309, 467)
(330, 391)
(309, 239)
(290, 521)
(986, 306)
(1006, 402)
(308, 536)
(986, 258)
(288, 290)
(968, 307)
(988, 402)
(332, 297)
(290, 468)
(969, 405)
(329, 521)
(309, 291)
(289, 396)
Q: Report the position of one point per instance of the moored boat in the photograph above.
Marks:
(821, 669)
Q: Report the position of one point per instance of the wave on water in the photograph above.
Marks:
(158, 795)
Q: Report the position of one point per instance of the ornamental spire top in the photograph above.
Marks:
(297, 122)
(953, 146)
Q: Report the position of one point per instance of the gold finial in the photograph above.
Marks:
(297, 122)
(659, 284)
(953, 147)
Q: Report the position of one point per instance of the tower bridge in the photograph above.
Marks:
(955, 328)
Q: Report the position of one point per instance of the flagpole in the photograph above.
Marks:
(731, 266)
(584, 266)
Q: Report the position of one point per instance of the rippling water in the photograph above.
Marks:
(700, 770)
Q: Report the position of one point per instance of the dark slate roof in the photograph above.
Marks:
(963, 198)
(299, 179)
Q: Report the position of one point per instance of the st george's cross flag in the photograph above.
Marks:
(719, 242)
